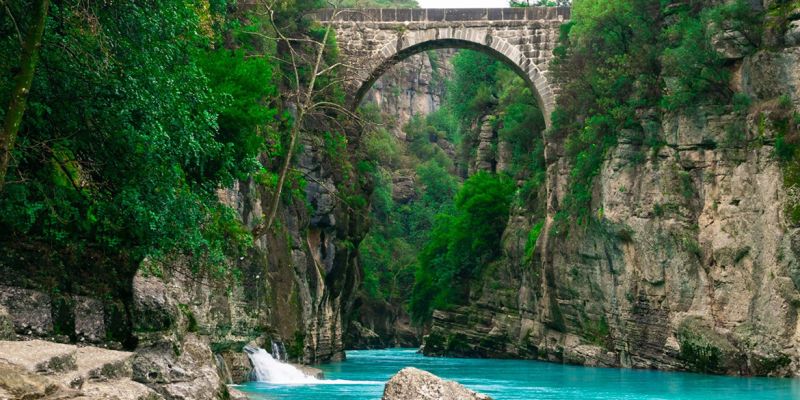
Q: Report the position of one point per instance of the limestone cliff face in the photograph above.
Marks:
(693, 266)
(413, 86)
(305, 273)
(296, 285)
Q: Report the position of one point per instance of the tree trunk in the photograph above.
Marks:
(23, 80)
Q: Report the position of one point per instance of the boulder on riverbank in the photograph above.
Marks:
(413, 383)
(38, 369)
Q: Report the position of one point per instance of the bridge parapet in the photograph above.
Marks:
(443, 14)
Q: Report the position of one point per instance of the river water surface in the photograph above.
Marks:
(364, 373)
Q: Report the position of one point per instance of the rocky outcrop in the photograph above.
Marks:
(178, 368)
(692, 263)
(39, 369)
(404, 189)
(28, 311)
(486, 155)
(412, 383)
(295, 286)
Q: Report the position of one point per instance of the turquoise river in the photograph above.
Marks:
(364, 373)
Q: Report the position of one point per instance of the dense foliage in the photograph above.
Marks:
(462, 242)
(399, 228)
(137, 115)
(126, 138)
(483, 86)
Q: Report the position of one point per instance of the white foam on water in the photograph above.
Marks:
(269, 370)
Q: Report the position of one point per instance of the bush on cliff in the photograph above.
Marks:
(618, 59)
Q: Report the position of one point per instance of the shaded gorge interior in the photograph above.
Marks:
(454, 145)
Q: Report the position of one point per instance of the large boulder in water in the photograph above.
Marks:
(413, 383)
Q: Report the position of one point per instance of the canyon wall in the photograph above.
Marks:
(694, 264)
(414, 86)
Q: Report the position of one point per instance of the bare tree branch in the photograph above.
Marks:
(13, 21)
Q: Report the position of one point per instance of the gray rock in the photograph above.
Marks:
(157, 363)
(404, 186)
(730, 44)
(40, 356)
(238, 366)
(413, 383)
(793, 33)
(310, 371)
(154, 309)
(40, 369)
(89, 323)
(179, 370)
(235, 394)
(29, 310)
(21, 384)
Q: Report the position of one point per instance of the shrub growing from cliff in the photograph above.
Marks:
(694, 70)
(786, 123)
(622, 57)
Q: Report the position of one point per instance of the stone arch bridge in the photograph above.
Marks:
(372, 40)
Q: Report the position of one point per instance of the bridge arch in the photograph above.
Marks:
(372, 41)
(498, 49)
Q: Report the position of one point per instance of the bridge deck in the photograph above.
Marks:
(443, 14)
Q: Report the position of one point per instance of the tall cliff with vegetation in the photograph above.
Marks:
(150, 157)
(171, 190)
(666, 234)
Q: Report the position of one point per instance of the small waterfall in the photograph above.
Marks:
(222, 369)
(278, 351)
(267, 368)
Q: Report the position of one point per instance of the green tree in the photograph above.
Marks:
(462, 241)
(133, 123)
(23, 80)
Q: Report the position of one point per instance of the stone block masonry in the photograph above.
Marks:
(372, 40)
